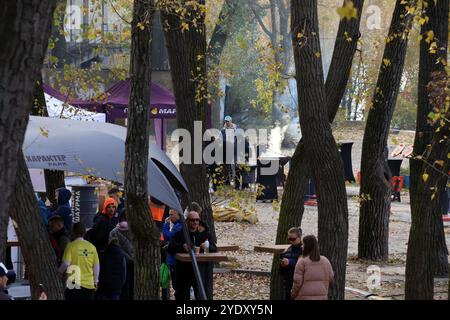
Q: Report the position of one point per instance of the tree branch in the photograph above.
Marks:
(258, 18)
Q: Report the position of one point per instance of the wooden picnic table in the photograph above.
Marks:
(271, 248)
(231, 247)
(202, 257)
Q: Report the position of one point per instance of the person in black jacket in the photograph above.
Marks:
(113, 272)
(289, 259)
(3, 282)
(59, 238)
(103, 224)
(184, 271)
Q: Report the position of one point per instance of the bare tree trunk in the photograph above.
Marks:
(292, 207)
(188, 68)
(323, 155)
(427, 230)
(420, 266)
(276, 113)
(25, 27)
(214, 52)
(143, 228)
(438, 23)
(37, 251)
(373, 240)
(4, 219)
(60, 48)
(53, 179)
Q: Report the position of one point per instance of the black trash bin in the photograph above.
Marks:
(84, 205)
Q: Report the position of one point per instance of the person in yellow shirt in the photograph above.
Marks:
(81, 264)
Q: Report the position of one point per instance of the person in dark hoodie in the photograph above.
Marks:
(104, 223)
(288, 259)
(185, 277)
(113, 272)
(63, 210)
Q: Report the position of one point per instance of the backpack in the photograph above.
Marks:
(164, 276)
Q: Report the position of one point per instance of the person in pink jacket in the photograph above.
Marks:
(313, 273)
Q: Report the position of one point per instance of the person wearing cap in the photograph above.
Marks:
(229, 139)
(229, 123)
(116, 194)
(3, 283)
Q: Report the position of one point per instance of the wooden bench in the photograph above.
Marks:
(274, 248)
(202, 257)
(222, 248)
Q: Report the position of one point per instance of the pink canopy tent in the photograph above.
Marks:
(115, 106)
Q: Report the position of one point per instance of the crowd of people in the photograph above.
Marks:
(99, 263)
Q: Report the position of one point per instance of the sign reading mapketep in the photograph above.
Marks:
(51, 160)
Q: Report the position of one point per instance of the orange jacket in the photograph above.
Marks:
(158, 216)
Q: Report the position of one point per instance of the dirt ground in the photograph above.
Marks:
(251, 286)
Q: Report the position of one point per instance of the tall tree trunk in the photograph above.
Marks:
(4, 219)
(60, 48)
(285, 38)
(438, 23)
(420, 266)
(375, 189)
(214, 52)
(144, 231)
(292, 208)
(25, 27)
(292, 198)
(37, 251)
(53, 179)
(426, 218)
(323, 155)
(277, 60)
(221, 31)
(188, 69)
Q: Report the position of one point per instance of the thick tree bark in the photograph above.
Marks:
(25, 27)
(375, 174)
(144, 231)
(427, 232)
(37, 251)
(4, 219)
(187, 50)
(292, 207)
(420, 266)
(438, 23)
(53, 179)
(323, 155)
(291, 213)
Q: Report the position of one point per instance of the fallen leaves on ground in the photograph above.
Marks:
(237, 286)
